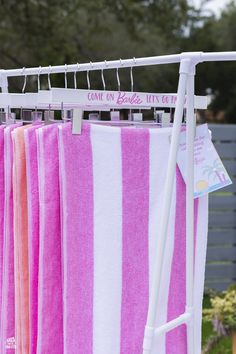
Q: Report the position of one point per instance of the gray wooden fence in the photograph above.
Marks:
(221, 252)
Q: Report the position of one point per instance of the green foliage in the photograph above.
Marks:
(213, 343)
(223, 312)
(40, 32)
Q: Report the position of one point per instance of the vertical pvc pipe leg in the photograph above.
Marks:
(190, 135)
(149, 329)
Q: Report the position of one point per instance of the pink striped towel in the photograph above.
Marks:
(8, 287)
(50, 325)
(112, 193)
(20, 198)
(33, 230)
(1, 210)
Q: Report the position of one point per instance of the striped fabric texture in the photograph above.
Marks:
(8, 330)
(79, 235)
(111, 190)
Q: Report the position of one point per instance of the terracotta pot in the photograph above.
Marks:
(234, 343)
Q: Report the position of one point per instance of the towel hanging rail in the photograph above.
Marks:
(125, 63)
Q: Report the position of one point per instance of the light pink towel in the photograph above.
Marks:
(112, 182)
(2, 187)
(20, 199)
(33, 231)
(8, 293)
(50, 320)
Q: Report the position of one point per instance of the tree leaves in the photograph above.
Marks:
(40, 32)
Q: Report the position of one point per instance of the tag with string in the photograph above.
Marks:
(209, 171)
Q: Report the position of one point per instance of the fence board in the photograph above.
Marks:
(221, 254)
(222, 202)
(218, 285)
(230, 166)
(223, 132)
(217, 237)
(222, 220)
(222, 223)
(221, 271)
(231, 188)
(226, 150)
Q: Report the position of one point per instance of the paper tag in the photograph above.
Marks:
(209, 171)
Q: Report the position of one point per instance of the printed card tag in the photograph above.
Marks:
(209, 171)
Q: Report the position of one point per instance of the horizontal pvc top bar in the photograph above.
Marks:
(219, 56)
(123, 63)
(102, 65)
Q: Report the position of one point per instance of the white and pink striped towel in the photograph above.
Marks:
(8, 331)
(112, 182)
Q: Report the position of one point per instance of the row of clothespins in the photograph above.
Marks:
(115, 117)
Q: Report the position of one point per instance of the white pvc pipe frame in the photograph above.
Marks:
(188, 62)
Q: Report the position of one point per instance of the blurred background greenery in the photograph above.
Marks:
(40, 32)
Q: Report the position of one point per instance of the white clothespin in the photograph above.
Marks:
(158, 115)
(94, 116)
(165, 120)
(138, 117)
(49, 116)
(36, 116)
(7, 118)
(77, 121)
(115, 115)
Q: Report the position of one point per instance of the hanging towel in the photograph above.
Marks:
(1, 211)
(8, 287)
(75, 154)
(112, 182)
(21, 240)
(33, 230)
(50, 320)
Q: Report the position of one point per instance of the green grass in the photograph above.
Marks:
(224, 346)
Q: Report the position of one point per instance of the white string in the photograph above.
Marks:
(25, 78)
(75, 79)
(88, 80)
(49, 80)
(103, 80)
(118, 78)
(131, 79)
(66, 76)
